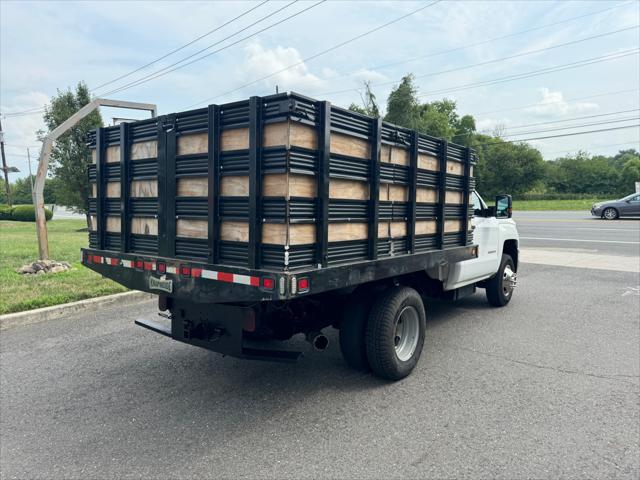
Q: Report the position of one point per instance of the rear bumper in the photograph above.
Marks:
(206, 283)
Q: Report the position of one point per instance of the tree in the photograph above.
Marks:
(402, 104)
(70, 155)
(630, 175)
(505, 167)
(369, 103)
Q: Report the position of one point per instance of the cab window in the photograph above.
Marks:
(478, 204)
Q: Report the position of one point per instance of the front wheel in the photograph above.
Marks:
(395, 333)
(610, 213)
(500, 287)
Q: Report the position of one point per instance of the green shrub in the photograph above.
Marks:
(5, 212)
(27, 213)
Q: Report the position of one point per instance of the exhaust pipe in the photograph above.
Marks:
(319, 341)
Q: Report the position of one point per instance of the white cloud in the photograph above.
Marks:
(553, 104)
(260, 61)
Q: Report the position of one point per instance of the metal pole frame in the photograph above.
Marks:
(45, 155)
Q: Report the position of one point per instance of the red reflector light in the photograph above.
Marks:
(268, 283)
(115, 261)
(97, 259)
(303, 284)
(139, 264)
(196, 272)
(185, 271)
(148, 265)
(161, 267)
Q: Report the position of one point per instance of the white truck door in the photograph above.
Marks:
(486, 237)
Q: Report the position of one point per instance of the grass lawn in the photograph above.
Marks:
(18, 246)
(583, 204)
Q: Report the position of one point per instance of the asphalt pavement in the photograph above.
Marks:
(546, 387)
(579, 231)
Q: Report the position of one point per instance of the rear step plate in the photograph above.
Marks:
(154, 326)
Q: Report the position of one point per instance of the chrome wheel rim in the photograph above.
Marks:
(407, 333)
(609, 214)
(509, 280)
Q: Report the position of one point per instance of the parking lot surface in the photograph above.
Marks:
(545, 387)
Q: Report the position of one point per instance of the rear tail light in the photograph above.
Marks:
(303, 285)
(148, 265)
(185, 271)
(161, 267)
(268, 283)
(139, 264)
(196, 272)
(115, 261)
(97, 259)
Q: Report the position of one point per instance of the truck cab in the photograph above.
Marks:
(496, 237)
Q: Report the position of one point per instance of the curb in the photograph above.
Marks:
(11, 320)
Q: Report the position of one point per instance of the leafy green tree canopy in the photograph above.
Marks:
(70, 155)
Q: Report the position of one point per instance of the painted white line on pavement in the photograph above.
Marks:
(580, 240)
(584, 228)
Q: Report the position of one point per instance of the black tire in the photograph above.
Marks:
(381, 333)
(610, 213)
(352, 333)
(496, 294)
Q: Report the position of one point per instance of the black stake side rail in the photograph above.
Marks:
(215, 283)
(256, 161)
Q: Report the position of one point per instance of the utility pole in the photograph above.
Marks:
(5, 169)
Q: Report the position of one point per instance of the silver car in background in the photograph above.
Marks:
(628, 206)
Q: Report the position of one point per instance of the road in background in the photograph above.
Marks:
(546, 387)
(578, 231)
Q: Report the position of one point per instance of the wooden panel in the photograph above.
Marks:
(426, 227)
(234, 186)
(143, 189)
(451, 226)
(398, 193)
(348, 189)
(113, 224)
(234, 139)
(93, 223)
(191, 228)
(392, 229)
(94, 155)
(426, 195)
(299, 234)
(455, 167)
(291, 185)
(339, 232)
(148, 149)
(113, 154)
(144, 226)
(397, 155)
(453, 197)
(94, 190)
(113, 189)
(194, 143)
(192, 187)
(276, 135)
(428, 162)
(348, 145)
(234, 231)
(301, 135)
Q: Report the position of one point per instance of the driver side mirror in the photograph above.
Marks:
(503, 207)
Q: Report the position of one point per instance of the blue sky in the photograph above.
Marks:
(46, 46)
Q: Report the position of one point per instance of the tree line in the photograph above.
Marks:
(507, 167)
(503, 167)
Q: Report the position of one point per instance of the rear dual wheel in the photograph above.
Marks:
(387, 338)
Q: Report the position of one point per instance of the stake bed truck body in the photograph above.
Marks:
(280, 215)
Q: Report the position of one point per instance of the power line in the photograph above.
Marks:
(534, 73)
(316, 55)
(555, 129)
(565, 134)
(563, 120)
(487, 62)
(559, 101)
(182, 47)
(464, 47)
(594, 147)
(176, 66)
